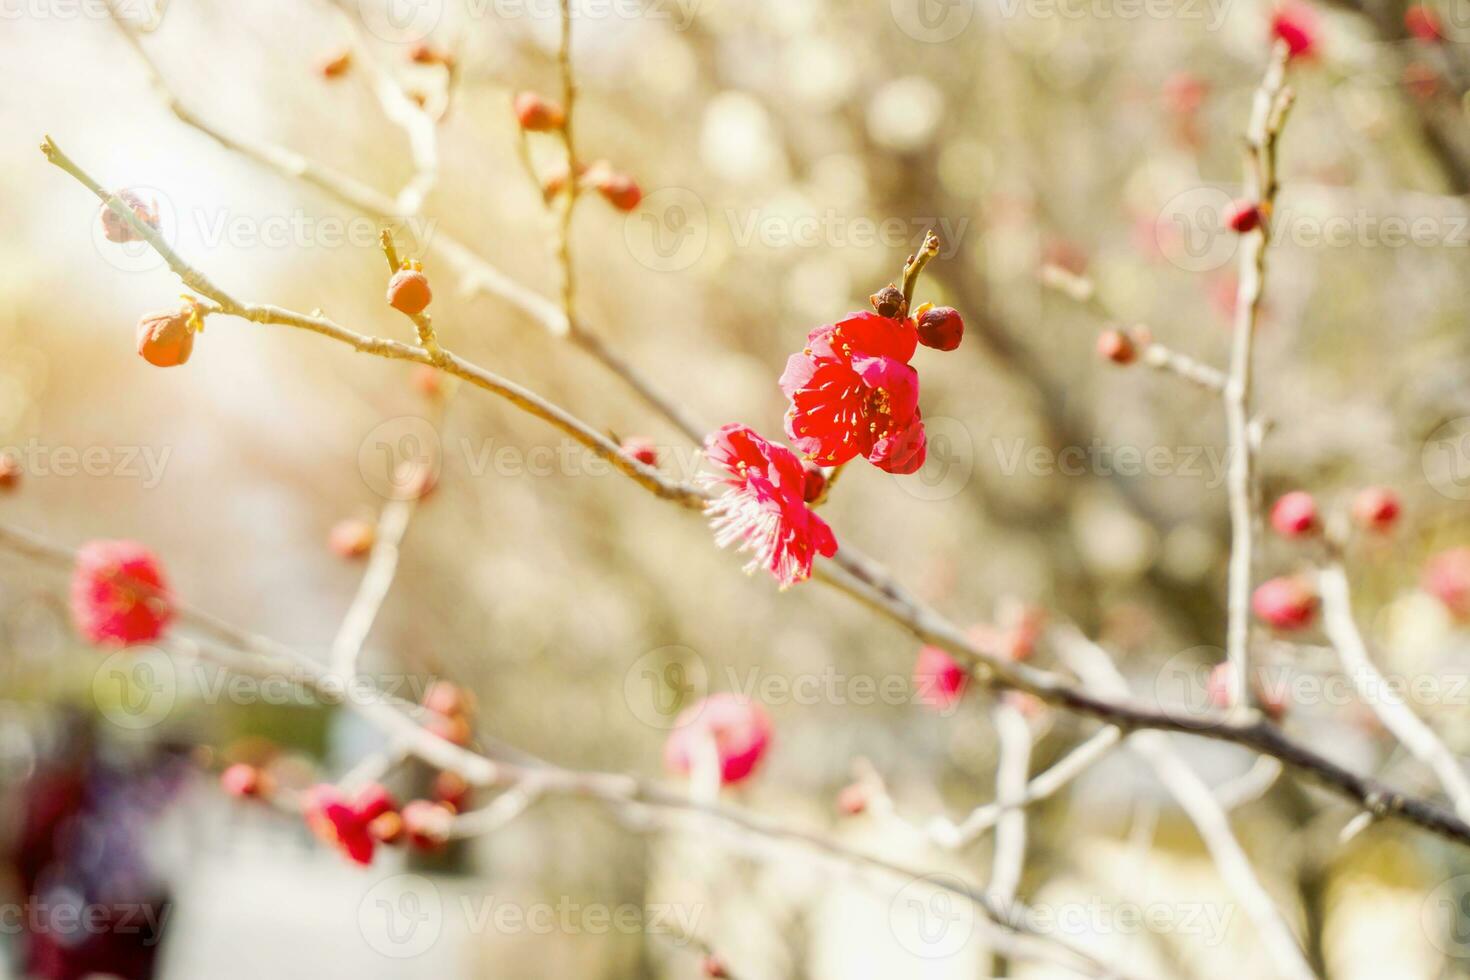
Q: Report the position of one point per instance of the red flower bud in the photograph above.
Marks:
(1296, 25)
(408, 291)
(428, 380)
(374, 800)
(713, 968)
(1294, 515)
(537, 114)
(941, 328)
(166, 339)
(452, 728)
(816, 481)
(427, 825)
(242, 780)
(386, 827)
(939, 680)
(451, 789)
(351, 538)
(118, 594)
(426, 54)
(445, 698)
(641, 449)
(9, 472)
(738, 731)
(853, 799)
(1242, 216)
(1376, 509)
(620, 190)
(115, 229)
(1447, 578)
(336, 65)
(1116, 346)
(1184, 93)
(1423, 23)
(1287, 603)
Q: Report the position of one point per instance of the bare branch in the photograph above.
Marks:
(1268, 115)
(1379, 695)
(1197, 800)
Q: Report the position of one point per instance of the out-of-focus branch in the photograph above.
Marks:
(1013, 732)
(1378, 695)
(526, 782)
(417, 123)
(372, 591)
(1095, 667)
(445, 360)
(1269, 108)
(573, 185)
(1081, 290)
(477, 275)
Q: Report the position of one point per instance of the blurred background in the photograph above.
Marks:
(791, 154)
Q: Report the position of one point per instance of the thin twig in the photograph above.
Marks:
(1013, 732)
(477, 275)
(1379, 695)
(1195, 797)
(1081, 290)
(1268, 114)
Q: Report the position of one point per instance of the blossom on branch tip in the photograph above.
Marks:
(1423, 23)
(1294, 515)
(337, 822)
(735, 729)
(537, 114)
(426, 824)
(1287, 603)
(118, 594)
(408, 290)
(1242, 216)
(242, 780)
(1295, 24)
(641, 449)
(1116, 346)
(853, 394)
(1376, 509)
(939, 680)
(763, 508)
(618, 189)
(166, 339)
(1447, 578)
(351, 538)
(941, 328)
(335, 65)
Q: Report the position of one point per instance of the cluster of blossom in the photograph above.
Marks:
(853, 393)
(1289, 602)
